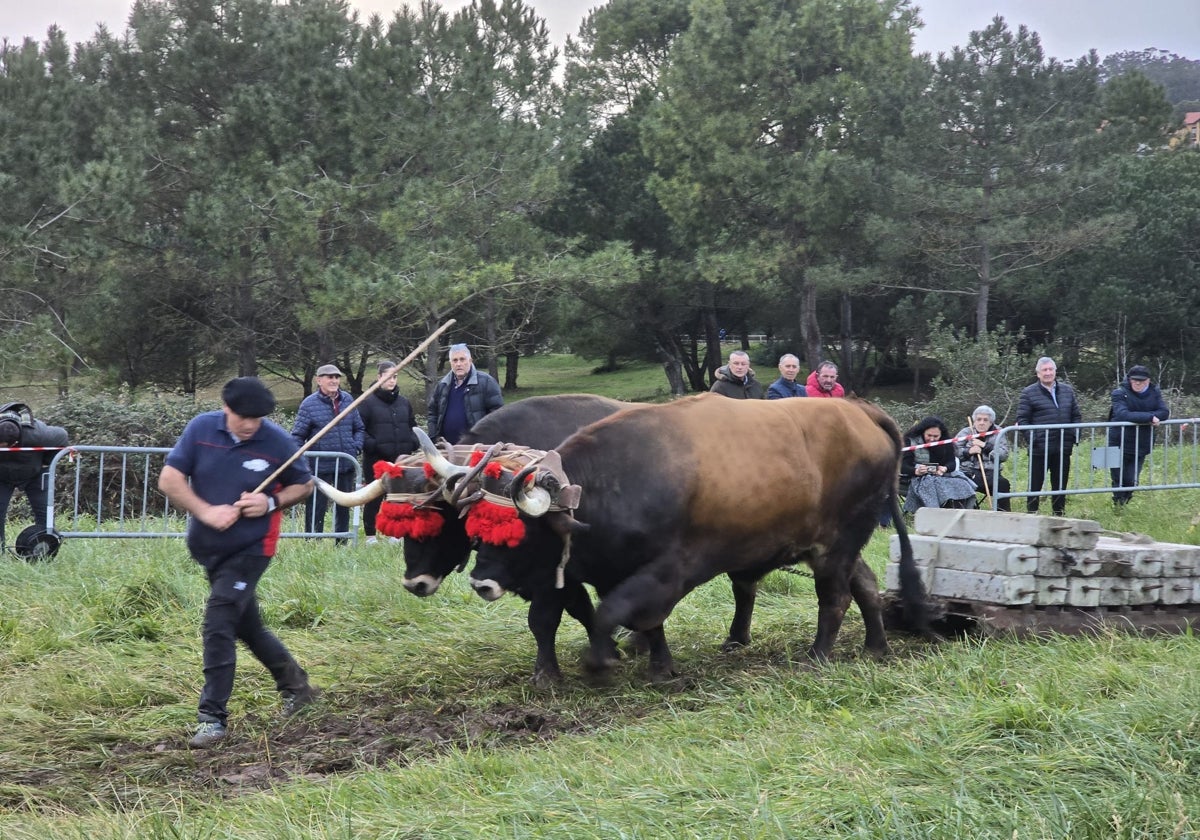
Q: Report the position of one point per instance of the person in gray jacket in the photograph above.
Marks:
(979, 448)
(315, 412)
(26, 471)
(462, 398)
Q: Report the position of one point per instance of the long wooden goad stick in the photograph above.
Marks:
(337, 419)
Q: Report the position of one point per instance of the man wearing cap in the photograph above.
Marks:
(462, 398)
(26, 471)
(388, 419)
(1138, 400)
(315, 412)
(1049, 402)
(233, 532)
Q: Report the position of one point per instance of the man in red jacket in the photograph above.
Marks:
(822, 382)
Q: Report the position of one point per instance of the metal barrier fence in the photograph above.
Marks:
(113, 490)
(1094, 465)
(114, 494)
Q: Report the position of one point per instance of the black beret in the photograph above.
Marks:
(10, 430)
(247, 396)
(1139, 372)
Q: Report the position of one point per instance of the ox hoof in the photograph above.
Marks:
(877, 654)
(731, 644)
(665, 676)
(599, 665)
(546, 678)
(635, 644)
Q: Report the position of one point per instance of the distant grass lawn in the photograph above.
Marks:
(559, 373)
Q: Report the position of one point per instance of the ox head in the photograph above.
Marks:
(524, 513)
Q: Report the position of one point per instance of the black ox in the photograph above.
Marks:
(537, 422)
(671, 496)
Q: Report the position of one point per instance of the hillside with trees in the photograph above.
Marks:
(243, 186)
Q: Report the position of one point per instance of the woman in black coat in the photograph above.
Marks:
(389, 420)
(1138, 400)
(929, 474)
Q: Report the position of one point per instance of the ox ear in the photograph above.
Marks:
(564, 524)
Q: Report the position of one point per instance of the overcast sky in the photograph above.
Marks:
(1068, 28)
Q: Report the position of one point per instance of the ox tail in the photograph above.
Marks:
(912, 591)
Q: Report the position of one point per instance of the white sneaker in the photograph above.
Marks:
(372, 540)
(394, 540)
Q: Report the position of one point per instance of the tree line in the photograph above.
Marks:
(262, 187)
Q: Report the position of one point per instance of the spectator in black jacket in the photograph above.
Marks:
(1138, 400)
(462, 398)
(1049, 402)
(26, 470)
(388, 419)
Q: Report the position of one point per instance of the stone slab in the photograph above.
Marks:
(997, 526)
(978, 555)
(970, 586)
(1106, 592)
(1051, 591)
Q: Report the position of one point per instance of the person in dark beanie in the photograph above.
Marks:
(213, 473)
(1138, 400)
(26, 471)
(388, 419)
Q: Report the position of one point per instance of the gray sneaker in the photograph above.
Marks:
(294, 701)
(209, 733)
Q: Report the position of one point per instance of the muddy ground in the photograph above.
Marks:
(334, 736)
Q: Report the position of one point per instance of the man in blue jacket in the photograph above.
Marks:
(786, 385)
(315, 413)
(212, 473)
(1138, 400)
(462, 398)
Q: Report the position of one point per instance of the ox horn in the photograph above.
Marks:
(356, 499)
(440, 463)
(532, 500)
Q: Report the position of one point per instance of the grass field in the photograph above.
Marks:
(430, 727)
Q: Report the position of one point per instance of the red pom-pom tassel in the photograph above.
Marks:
(387, 468)
(494, 524)
(404, 520)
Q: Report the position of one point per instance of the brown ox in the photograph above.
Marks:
(672, 495)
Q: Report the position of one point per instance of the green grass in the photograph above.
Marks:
(556, 373)
(430, 727)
